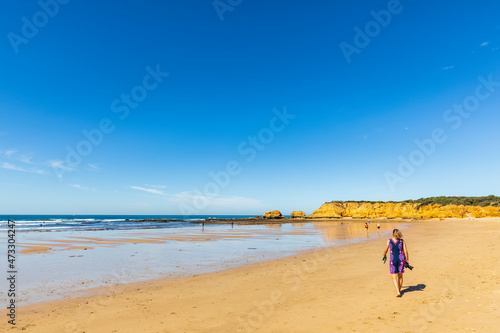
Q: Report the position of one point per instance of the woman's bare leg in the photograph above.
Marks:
(396, 283)
(400, 280)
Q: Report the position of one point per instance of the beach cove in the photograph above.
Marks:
(454, 286)
(61, 263)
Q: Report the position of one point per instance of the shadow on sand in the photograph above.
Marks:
(409, 289)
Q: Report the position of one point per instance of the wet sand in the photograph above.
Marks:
(454, 287)
(59, 265)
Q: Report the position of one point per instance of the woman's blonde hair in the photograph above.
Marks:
(398, 234)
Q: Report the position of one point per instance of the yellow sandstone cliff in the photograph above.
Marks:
(298, 215)
(275, 214)
(402, 210)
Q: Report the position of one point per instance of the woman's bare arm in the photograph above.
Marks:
(405, 249)
(386, 248)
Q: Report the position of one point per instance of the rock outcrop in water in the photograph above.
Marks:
(298, 215)
(275, 214)
(402, 210)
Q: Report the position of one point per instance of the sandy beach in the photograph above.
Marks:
(454, 287)
(67, 264)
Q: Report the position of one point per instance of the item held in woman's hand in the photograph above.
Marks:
(407, 265)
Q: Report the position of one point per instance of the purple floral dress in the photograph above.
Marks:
(397, 259)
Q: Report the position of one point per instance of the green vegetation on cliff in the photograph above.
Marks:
(490, 200)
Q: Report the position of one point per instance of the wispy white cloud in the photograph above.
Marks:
(485, 43)
(25, 159)
(149, 190)
(61, 165)
(94, 167)
(10, 152)
(15, 154)
(9, 166)
(6, 165)
(80, 187)
(448, 67)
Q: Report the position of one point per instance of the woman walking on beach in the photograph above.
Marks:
(398, 258)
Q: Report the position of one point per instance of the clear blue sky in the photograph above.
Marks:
(355, 113)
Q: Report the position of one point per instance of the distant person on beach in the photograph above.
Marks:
(398, 257)
(378, 225)
(366, 226)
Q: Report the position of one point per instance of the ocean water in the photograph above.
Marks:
(25, 223)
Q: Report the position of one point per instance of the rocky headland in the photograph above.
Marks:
(425, 208)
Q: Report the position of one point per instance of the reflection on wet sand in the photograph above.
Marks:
(329, 230)
(273, 226)
(352, 229)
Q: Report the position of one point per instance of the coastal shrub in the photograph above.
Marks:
(490, 200)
